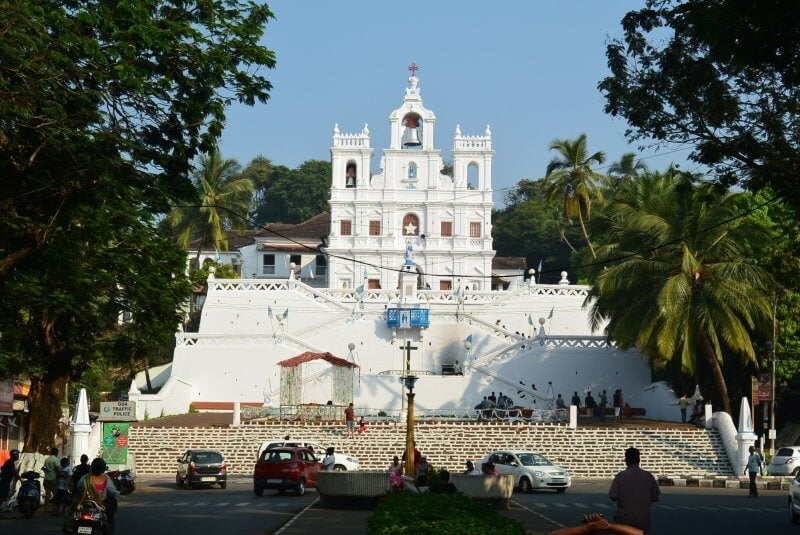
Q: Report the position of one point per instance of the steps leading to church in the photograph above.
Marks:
(586, 452)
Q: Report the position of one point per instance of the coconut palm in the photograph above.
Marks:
(571, 180)
(679, 287)
(627, 168)
(223, 201)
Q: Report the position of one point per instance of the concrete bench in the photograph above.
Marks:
(492, 488)
(334, 487)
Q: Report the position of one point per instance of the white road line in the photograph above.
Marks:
(221, 504)
(729, 508)
(686, 507)
(602, 505)
(562, 505)
(541, 505)
(749, 509)
(242, 504)
(707, 508)
(581, 505)
(201, 504)
(295, 517)
(664, 506)
(177, 504)
(540, 515)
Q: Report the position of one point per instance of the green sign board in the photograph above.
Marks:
(115, 442)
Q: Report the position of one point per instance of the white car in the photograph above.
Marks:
(794, 500)
(531, 470)
(785, 462)
(341, 462)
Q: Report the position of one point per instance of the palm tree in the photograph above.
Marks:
(676, 285)
(571, 180)
(627, 168)
(223, 202)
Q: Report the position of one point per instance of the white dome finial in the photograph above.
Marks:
(458, 130)
(488, 131)
(336, 129)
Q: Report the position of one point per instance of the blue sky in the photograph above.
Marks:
(527, 68)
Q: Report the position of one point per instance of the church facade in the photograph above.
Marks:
(406, 255)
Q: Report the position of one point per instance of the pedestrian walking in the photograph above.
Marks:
(350, 420)
(634, 490)
(752, 469)
(50, 482)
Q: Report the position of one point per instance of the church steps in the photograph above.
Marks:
(586, 452)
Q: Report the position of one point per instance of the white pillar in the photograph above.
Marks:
(237, 413)
(80, 427)
(573, 416)
(134, 394)
(709, 416)
(745, 437)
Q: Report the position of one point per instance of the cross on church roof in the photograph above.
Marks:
(413, 68)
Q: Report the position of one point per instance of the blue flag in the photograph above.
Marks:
(539, 269)
(286, 313)
(469, 339)
(269, 312)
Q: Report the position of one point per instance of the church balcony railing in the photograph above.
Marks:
(325, 413)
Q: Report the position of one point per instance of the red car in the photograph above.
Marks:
(285, 469)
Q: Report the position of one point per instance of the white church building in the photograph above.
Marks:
(397, 278)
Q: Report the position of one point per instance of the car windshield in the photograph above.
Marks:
(207, 457)
(277, 456)
(785, 452)
(533, 459)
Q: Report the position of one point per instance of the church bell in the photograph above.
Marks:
(410, 138)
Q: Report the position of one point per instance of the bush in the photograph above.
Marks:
(435, 514)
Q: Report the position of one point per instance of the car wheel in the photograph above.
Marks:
(223, 484)
(300, 489)
(339, 468)
(258, 491)
(562, 490)
(796, 471)
(524, 485)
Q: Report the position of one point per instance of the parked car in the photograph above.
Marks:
(285, 468)
(531, 470)
(794, 500)
(201, 467)
(785, 462)
(342, 461)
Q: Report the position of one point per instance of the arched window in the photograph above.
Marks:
(410, 225)
(472, 176)
(350, 175)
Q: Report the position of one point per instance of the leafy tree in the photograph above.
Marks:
(295, 195)
(258, 172)
(570, 177)
(103, 105)
(721, 76)
(676, 285)
(530, 226)
(222, 193)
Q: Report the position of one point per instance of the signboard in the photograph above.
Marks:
(6, 397)
(117, 411)
(115, 442)
(762, 388)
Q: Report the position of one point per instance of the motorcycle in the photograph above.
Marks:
(124, 480)
(29, 494)
(89, 518)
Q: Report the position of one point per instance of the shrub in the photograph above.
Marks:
(435, 514)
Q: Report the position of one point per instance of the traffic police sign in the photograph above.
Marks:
(118, 411)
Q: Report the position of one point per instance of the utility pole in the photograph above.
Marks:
(772, 385)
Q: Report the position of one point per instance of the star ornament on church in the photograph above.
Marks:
(411, 229)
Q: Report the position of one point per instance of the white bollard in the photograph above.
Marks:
(573, 416)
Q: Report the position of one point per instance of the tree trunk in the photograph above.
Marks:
(564, 236)
(44, 405)
(585, 235)
(716, 372)
(147, 374)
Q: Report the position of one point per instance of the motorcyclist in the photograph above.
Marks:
(98, 487)
(9, 475)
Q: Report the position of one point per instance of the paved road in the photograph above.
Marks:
(157, 508)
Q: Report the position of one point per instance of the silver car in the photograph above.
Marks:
(794, 500)
(531, 470)
(785, 462)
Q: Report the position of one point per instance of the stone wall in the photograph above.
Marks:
(586, 451)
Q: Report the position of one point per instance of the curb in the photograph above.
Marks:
(724, 482)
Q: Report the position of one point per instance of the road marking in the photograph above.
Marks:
(602, 505)
(729, 508)
(540, 505)
(685, 507)
(559, 504)
(540, 515)
(749, 509)
(581, 505)
(200, 504)
(178, 504)
(665, 506)
(707, 508)
(221, 504)
(295, 517)
(243, 504)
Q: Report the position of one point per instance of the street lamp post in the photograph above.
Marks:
(408, 380)
(772, 385)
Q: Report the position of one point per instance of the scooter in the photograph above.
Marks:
(29, 494)
(89, 518)
(124, 480)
